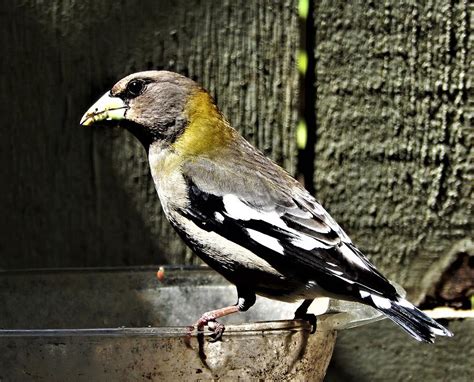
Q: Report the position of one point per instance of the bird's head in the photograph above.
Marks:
(159, 106)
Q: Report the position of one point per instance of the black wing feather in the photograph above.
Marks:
(296, 262)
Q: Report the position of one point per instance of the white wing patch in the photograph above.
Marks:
(352, 256)
(381, 302)
(405, 303)
(364, 293)
(219, 217)
(438, 332)
(308, 243)
(238, 210)
(266, 240)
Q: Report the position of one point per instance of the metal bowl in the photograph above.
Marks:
(123, 324)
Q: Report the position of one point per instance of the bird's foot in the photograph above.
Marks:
(217, 330)
(302, 314)
(207, 319)
(309, 317)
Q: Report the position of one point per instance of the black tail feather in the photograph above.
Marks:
(414, 321)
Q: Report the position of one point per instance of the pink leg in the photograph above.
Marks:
(246, 298)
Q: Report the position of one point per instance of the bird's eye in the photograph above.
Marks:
(135, 88)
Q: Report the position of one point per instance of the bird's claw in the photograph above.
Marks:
(215, 327)
(310, 318)
(217, 330)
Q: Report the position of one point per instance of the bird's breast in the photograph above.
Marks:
(168, 179)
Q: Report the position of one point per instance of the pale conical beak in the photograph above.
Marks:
(106, 108)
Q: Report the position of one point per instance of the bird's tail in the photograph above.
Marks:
(412, 320)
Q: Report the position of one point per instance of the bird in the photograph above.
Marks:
(240, 212)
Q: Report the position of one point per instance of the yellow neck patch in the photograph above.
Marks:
(207, 129)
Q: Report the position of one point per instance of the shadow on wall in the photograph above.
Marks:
(71, 197)
(84, 197)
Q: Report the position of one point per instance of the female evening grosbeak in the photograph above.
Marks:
(241, 213)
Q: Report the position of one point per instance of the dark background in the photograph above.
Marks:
(389, 146)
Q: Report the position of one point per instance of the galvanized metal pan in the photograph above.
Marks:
(130, 325)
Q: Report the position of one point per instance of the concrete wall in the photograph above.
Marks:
(393, 163)
(394, 146)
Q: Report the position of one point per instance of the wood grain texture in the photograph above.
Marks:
(394, 144)
(84, 197)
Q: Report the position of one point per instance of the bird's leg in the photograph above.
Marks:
(245, 300)
(302, 313)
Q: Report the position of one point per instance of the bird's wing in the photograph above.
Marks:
(270, 214)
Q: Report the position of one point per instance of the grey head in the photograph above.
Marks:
(149, 104)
